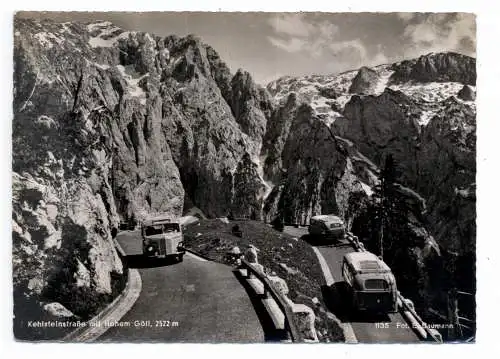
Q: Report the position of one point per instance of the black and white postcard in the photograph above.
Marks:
(232, 177)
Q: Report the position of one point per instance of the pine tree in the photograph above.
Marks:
(390, 212)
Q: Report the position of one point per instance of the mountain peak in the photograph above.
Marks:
(437, 67)
(365, 81)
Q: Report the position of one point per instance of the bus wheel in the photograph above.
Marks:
(180, 258)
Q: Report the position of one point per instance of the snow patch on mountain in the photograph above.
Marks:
(384, 76)
(100, 24)
(321, 105)
(342, 82)
(368, 190)
(48, 39)
(105, 34)
(425, 117)
(99, 41)
(430, 91)
(132, 80)
(65, 28)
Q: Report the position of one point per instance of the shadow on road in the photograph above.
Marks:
(337, 300)
(141, 261)
(271, 334)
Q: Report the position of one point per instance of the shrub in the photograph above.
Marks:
(237, 231)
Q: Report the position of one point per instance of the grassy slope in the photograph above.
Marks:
(213, 238)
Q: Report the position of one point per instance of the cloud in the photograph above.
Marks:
(352, 50)
(295, 33)
(351, 54)
(406, 16)
(440, 32)
(322, 41)
(290, 45)
(380, 57)
(292, 25)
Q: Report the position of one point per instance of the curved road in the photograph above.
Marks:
(391, 328)
(192, 301)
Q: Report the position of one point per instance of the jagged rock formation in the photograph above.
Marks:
(467, 94)
(276, 135)
(420, 112)
(397, 117)
(316, 178)
(440, 67)
(251, 106)
(109, 125)
(380, 124)
(364, 82)
(434, 159)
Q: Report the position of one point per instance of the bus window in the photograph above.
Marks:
(376, 284)
(346, 273)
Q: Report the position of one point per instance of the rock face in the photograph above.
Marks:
(467, 94)
(364, 82)
(316, 179)
(421, 112)
(380, 124)
(114, 125)
(440, 67)
(435, 159)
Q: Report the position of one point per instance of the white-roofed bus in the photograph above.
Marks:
(162, 238)
(370, 283)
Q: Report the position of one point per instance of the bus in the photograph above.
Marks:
(371, 285)
(162, 238)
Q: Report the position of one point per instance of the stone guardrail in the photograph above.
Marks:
(406, 305)
(270, 290)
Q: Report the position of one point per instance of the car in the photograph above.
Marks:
(327, 226)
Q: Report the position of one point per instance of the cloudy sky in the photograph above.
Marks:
(269, 45)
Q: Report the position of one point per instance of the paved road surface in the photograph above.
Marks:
(368, 329)
(192, 301)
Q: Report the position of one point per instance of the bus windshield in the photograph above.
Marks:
(171, 227)
(161, 228)
(152, 230)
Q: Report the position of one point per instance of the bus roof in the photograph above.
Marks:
(159, 219)
(366, 262)
(327, 218)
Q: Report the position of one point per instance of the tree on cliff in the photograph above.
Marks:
(389, 210)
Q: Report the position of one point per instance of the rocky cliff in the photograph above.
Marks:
(328, 139)
(113, 125)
